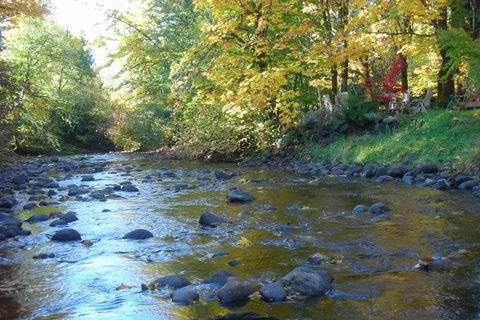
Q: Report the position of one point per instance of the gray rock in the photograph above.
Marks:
(88, 178)
(385, 178)
(43, 256)
(379, 208)
(427, 168)
(369, 171)
(244, 316)
(65, 235)
(441, 184)
(235, 291)
(239, 196)
(20, 179)
(307, 281)
(129, 188)
(408, 180)
(37, 218)
(138, 234)
(211, 220)
(468, 185)
(476, 191)
(172, 281)
(184, 296)
(223, 175)
(359, 209)
(8, 202)
(11, 226)
(273, 292)
(29, 206)
(396, 171)
(219, 278)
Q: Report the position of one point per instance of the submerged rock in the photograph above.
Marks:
(379, 208)
(138, 234)
(311, 282)
(223, 175)
(172, 281)
(184, 296)
(37, 218)
(219, 278)
(273, 292)
(244, 316)
(43, 256)
(239, 196)
(235, 291)
(211, 220)
(129, 188)
(65, 235)
(88, 178)
(385, 178)
(29, 206)
(359, 209)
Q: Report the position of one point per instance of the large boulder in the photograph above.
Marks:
(235, 291)
(209, 219)
(138, 234)
(239, 196)
(172, 281)
(65, 235)
(184, 296)
(273, 292)
(308, 281)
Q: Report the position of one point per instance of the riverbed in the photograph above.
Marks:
(291, 218)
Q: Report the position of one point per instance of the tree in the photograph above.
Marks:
(57, 89)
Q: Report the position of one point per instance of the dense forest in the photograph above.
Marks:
(226, 78)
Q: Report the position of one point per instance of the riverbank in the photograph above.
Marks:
(444, 137)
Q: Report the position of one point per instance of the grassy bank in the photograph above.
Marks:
(440, 136)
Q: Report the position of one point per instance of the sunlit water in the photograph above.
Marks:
(370, 261)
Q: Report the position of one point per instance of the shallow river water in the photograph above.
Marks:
(291, 218)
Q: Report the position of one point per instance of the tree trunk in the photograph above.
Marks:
(446, 84)
(334, 79)
(404, 74)
(344, 85)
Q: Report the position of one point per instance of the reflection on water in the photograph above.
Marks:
(371, 262)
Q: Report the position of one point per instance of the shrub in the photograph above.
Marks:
(359, 110)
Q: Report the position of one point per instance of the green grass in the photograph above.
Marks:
(440, 136)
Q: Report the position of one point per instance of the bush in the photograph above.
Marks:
(359, 110)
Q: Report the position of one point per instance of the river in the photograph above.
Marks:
(291, 218)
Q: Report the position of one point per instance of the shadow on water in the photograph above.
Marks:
(291, 218)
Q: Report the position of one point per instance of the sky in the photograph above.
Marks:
(87, 18)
